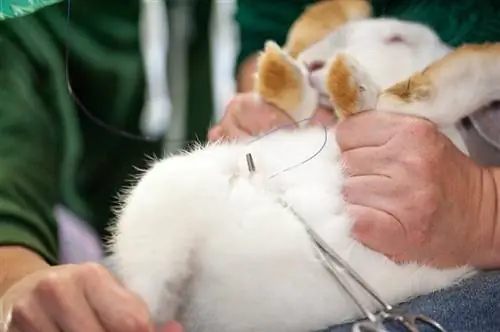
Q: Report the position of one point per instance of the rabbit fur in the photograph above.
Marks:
(204, 241)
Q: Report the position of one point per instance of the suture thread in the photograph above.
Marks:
(117, 131)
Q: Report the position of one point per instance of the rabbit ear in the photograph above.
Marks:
(321, 19)
(349, 87)
(283, 82)
(451, 88)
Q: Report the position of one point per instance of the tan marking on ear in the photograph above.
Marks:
(278, 83)
(342, 88)
(417, 88)
(421, 85)
(322, 18)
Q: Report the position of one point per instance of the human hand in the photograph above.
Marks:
(73, 298)
(247, 115)
(413, 195)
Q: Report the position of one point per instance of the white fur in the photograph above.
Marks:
(204, 241)
(386, 64)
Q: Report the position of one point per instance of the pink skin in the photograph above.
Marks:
(172, 327)
(413, 195)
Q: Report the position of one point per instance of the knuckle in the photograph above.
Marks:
(421, 165)
(427, 198)
(22, 311)
(420, 128)
(91, 270)
(51, 285)
(416, 164)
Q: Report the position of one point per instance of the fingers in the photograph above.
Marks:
(215, 133)
(55, 302)
(376, 229)
(118, 310)
(254, 116)
(366, 129)
(247, 115)
(28, 315)
(323, 117)
(370, 203)
(367, 161)
(78, 298)
(377, 192)
(226, 132)
(65, 304)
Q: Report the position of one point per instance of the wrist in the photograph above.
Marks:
(16, 263)
(487, 221)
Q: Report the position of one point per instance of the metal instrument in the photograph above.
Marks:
(339, 269)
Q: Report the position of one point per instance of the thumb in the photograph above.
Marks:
(172, 327)
(215, 133)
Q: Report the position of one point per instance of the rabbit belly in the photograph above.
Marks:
(257, 270)
(239, 261)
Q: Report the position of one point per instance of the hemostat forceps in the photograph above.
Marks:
(339, 269)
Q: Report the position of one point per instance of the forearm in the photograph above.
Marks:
(30, 165)
(16, 263)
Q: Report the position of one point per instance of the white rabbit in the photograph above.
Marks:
(204, 241)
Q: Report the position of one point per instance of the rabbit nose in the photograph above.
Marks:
(315, 65)
(313, 68)
(314, 81)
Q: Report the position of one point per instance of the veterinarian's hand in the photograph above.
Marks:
(246, 115)
(74, 298)
(413, 194)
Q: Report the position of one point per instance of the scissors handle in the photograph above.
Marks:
(338, 268)
(428, 321)
(411, 322)
(369, 326)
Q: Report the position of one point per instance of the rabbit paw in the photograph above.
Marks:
(281, 81)
(349, 87)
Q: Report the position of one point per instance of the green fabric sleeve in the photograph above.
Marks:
(260, 20)
(29, 157)
(17, 8)
(50, 151)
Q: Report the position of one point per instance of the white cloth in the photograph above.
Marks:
(78, 242)
(157, 110)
